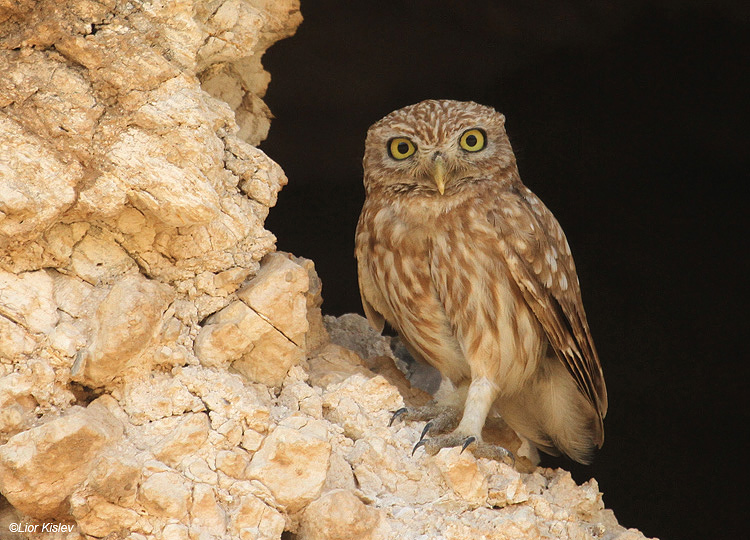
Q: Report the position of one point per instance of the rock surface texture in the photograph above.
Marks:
(164, 373)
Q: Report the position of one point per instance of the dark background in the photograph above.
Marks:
(628, 120)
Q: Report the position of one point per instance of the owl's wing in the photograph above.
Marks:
(540, 261)
(375, 318)
(368, 291)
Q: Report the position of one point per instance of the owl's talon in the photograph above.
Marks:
(398, 414)
(421, 442)
(494, 452)
(467, 442)
(427, 427)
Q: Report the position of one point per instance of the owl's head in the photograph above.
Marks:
(435, 147)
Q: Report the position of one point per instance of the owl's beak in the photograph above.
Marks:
(438, 173)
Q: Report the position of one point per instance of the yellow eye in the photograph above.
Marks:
(473, 140)
(401, 148)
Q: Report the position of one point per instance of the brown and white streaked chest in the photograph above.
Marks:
(442, 281)
(498, 332)
(393, 253)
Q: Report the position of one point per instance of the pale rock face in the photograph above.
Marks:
(341, 515)
(165, 494)
(183, 439)
(37, 186)
(255, 519)
(262, 335)
(125, 324)
(292, 463)
(40, 468)
(164, 374)
(27, 299)
(277, 293)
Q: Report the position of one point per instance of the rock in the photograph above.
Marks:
(239, 336)
(340, 515)
(480, 482)
(165, 494)
(115, 478)
(317, 335)
(292, 464)
(17, 403)
(117, 339)
(98, 260)
(228, 334)
(277, 294)
(15, 341)
(183, 440)
(98, 517)
(36, 186)
(157, 397)
(40, 468)
(355, 333)
(205, 513)
(255, 519)
(28, 300)
(359, 403)
(175, 531)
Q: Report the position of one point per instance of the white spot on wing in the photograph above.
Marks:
(551, 260)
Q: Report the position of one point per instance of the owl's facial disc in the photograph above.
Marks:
(438, 172)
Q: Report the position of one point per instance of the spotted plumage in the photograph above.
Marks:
(476, 275)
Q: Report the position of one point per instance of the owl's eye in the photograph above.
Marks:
(401, 148)
(473, 140)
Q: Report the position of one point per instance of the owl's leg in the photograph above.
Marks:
(442, 414)
(479, 399)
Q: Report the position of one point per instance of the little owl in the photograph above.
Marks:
(476, 276)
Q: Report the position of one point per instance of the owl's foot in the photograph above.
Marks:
(480, 449)
(441, 419)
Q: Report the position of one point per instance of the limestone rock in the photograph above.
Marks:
(40, 468)
(27, 299)
(239, 336)
(277, 294)
(165, 494)
(36, 187)
(206, 513)
(292, 464)
(183, 440)
(340, 515)
(255, 519)
(228, 334)
(117, 339)
(355, 333)
(263, 334)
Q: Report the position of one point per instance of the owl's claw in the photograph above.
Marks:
(494, 452)
(421, 442)
(480, 449)
(398, 414)
(467, 442)
(433, 446)
(427, 427)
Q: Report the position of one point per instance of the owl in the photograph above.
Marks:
(476, 276)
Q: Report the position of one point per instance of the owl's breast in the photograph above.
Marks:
(499, 334)
(395, 278)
